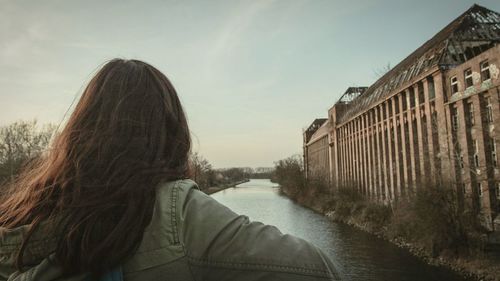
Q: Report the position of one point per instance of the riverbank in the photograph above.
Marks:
(214, 189)
(382, 221)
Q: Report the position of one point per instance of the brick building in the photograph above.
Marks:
(434, 117)
(316, 149)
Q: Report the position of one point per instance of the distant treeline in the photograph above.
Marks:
(23, 141)
(207, 177)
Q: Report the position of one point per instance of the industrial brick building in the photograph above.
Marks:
(434, 117)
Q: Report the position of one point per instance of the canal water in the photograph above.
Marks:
(357, 255)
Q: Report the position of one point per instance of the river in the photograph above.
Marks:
(356, 254)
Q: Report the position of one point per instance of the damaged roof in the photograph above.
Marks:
(473, 32)
(320, 132)
(351, 94)
(315, 125)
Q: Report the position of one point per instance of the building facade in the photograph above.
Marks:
(316, 150)
(433, 118)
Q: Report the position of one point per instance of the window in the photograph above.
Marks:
(470, 111)
(493, 150)
(454, 119)
(468, 78)
(412, 97)
(454, 85)
(489, 112)
(458, 152)
(498, 190)
(404, 101)
(480, 189)
(432, 93)
(396, 104)
(421, 98)
(485, 70)
(475, 149)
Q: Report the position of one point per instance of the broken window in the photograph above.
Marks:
(475, 149)
(498, 190)
(403, 100)
(489, 112)
(485, 70)
(412, 97)
(430, 85)
(468, 78)
(470, 110)
(454, 119)
(454, 85)
(421, 98)
(493, 150)
(396, 104)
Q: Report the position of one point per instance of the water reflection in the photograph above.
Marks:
(356, 254)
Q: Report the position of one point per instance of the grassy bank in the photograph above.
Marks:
(431, 225)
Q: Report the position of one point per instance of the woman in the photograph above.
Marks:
(113, 192)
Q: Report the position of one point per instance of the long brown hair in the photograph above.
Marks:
(127, 134)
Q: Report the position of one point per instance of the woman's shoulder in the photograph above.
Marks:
(174, 193)
(161, 244)
(180, 184)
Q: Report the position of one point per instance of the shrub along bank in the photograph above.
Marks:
(431, 223)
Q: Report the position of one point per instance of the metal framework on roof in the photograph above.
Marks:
(316, 124)
(351, 94)
(473, 32)
(314, 127)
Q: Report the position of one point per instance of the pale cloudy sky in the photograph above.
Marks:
(251, 74)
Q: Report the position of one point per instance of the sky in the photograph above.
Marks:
(250, 74)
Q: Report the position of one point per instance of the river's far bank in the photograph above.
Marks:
(478, 266)
(214, 189)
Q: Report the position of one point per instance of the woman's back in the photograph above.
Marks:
(191, 237)
(111, 193)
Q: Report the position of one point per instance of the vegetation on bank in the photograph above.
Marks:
(433, 224)
(20, 143)
(23, 141)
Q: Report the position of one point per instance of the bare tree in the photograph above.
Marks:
(21, 142)
(379, 72)
(202, 170)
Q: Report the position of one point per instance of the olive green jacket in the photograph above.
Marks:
(191, 237)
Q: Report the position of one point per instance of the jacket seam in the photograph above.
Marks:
(268, 266)
(191, 271)
(155, 249)
(173, 211)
